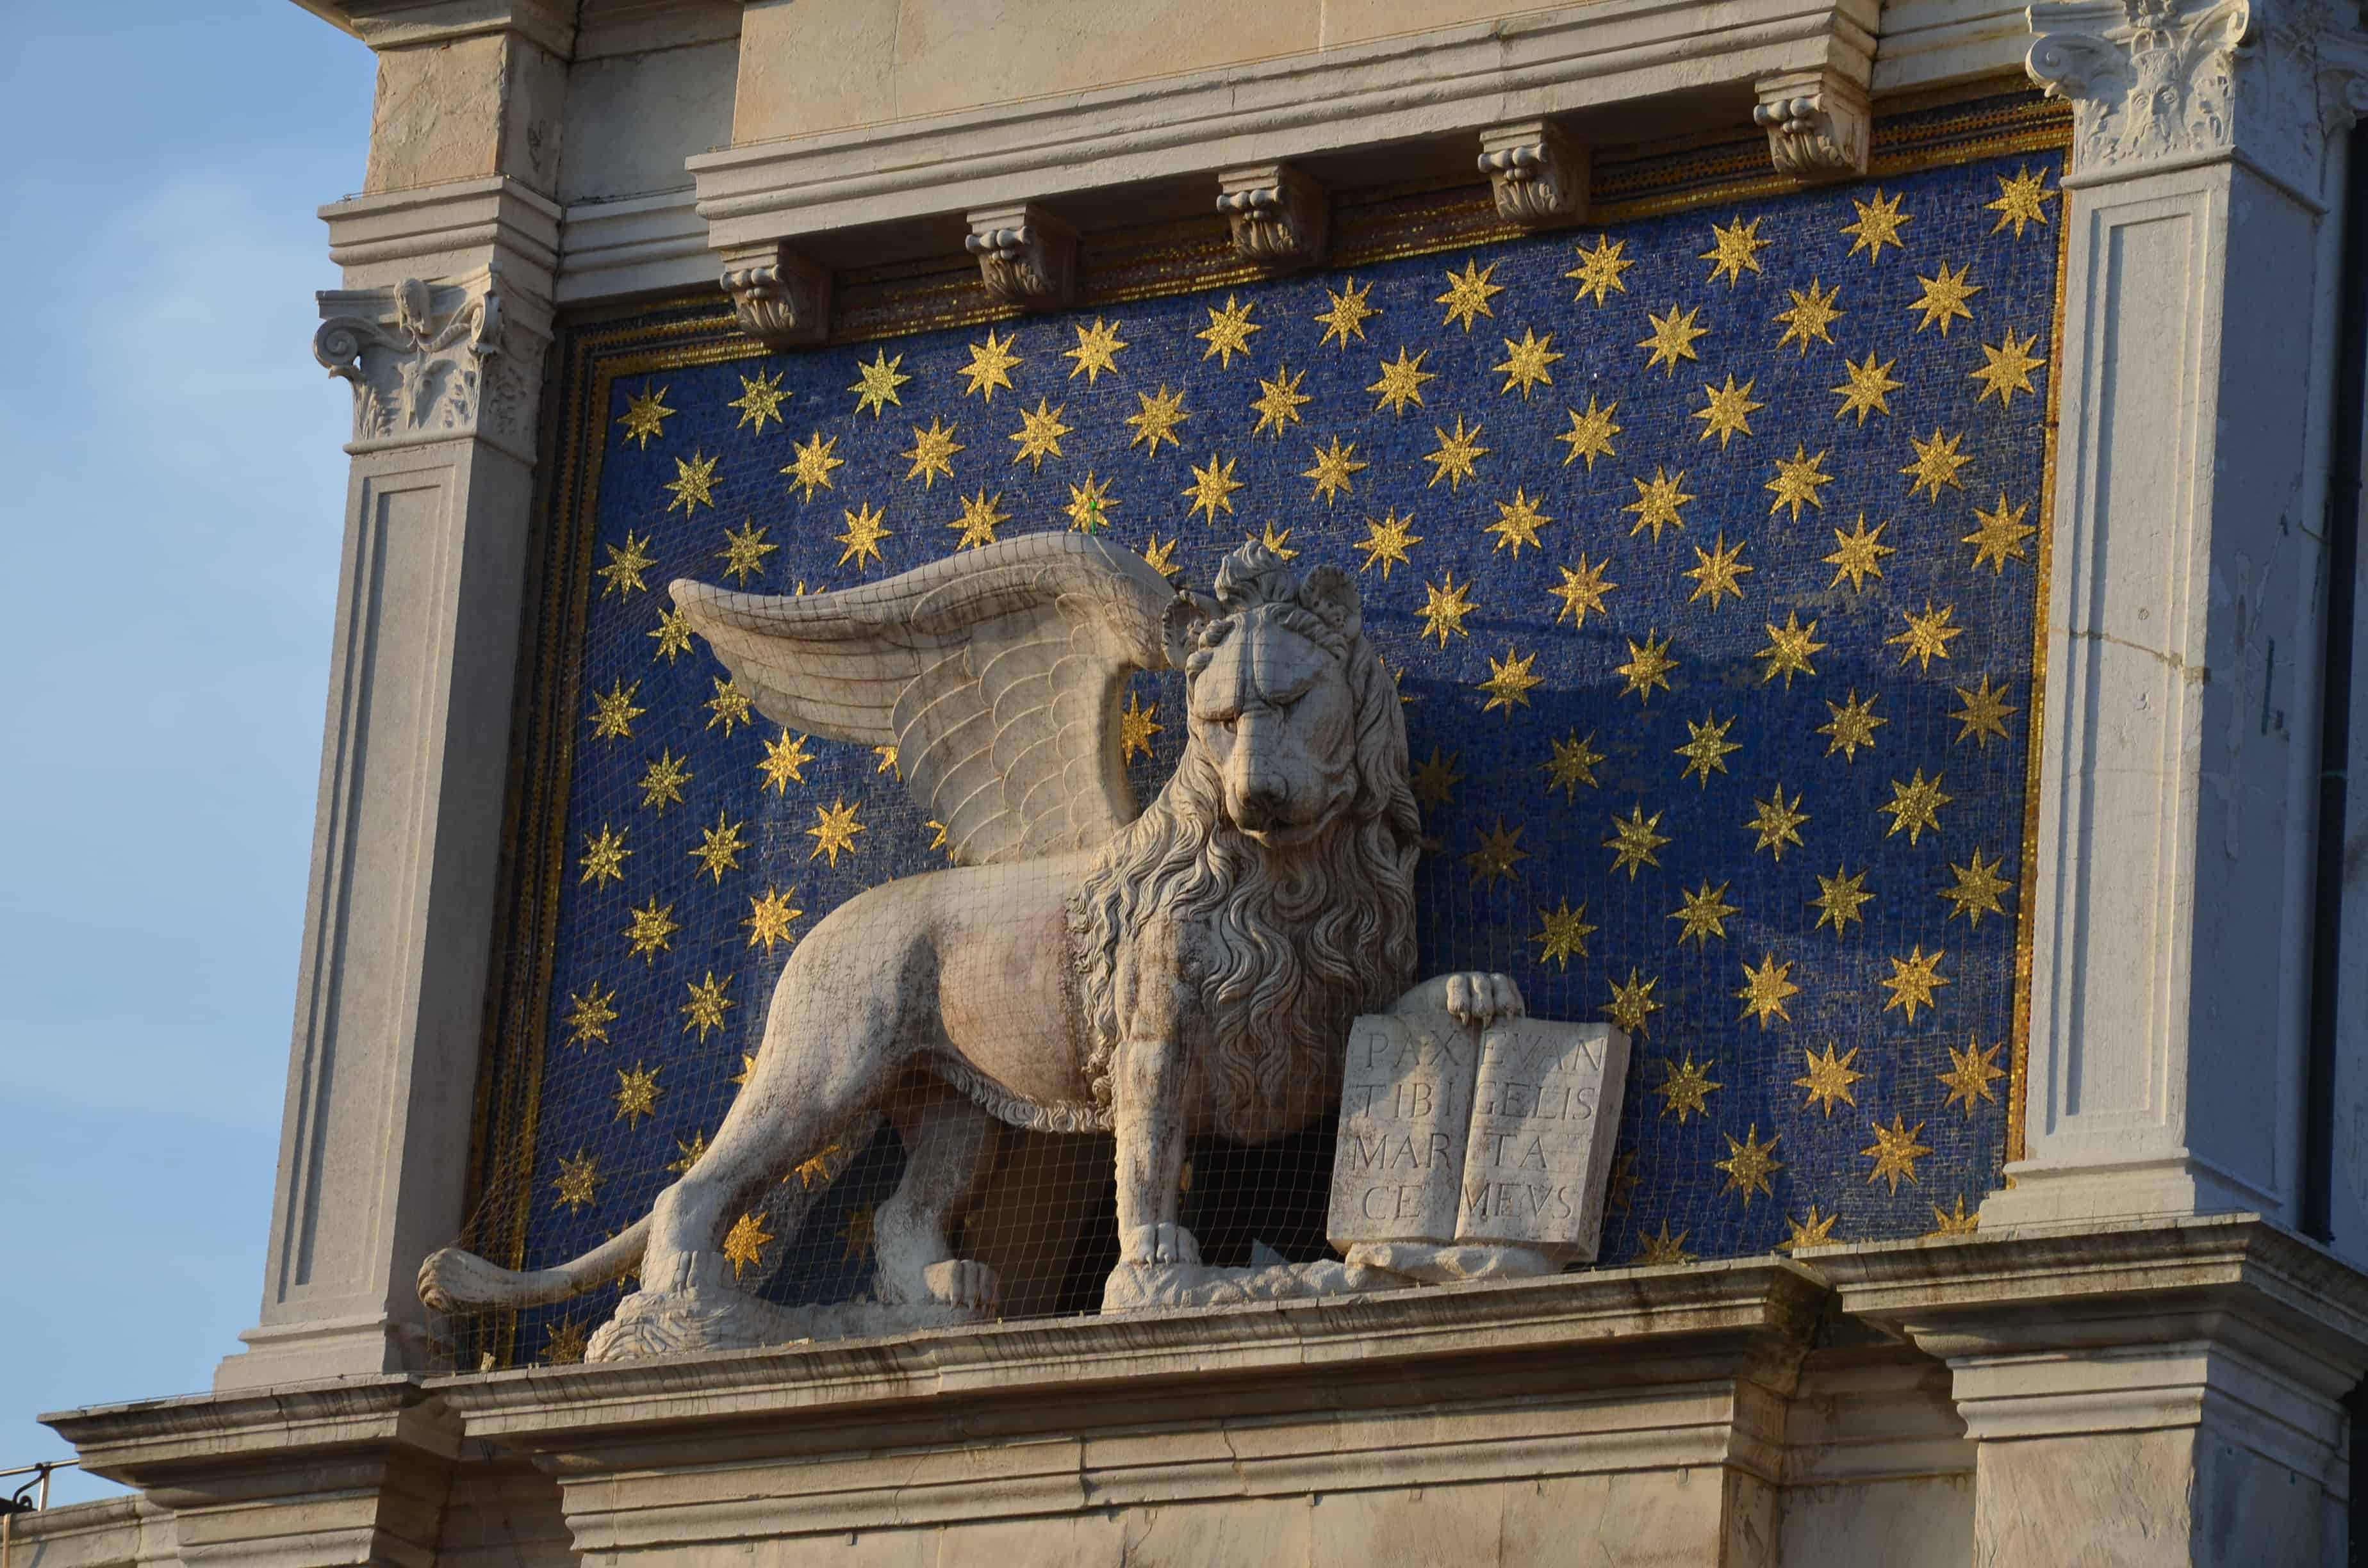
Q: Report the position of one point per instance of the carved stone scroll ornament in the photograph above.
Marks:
(1279, 216)
(1816, 124)
(1026, 258)
(782, 300)
(1538, 174)
(420, 359)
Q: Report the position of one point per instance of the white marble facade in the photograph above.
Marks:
(2138, 1358)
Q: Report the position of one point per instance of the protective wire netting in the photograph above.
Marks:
(1714, 647)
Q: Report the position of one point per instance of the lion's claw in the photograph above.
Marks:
(1476, 998)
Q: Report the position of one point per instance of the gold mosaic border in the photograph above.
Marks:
(2018, 1083)
(897, 301)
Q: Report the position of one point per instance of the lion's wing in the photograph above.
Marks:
(996, 673)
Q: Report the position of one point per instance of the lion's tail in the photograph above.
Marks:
(452, 1280)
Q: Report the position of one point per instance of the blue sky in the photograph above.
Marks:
(169, 527)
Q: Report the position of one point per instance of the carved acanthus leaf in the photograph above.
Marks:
(2148, 79)
(781, 299)
(1026, 258)
(1816, 124)
(430, 361)
(1538, 174)
(2177, 81)
(1279, 216)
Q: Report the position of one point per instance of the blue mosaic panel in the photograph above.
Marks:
(1706, 547)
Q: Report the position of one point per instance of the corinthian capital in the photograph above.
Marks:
(2155, 83)
(432, 361)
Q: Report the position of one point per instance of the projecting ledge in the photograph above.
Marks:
(2098, 1279)
(1441, 85)
(1610, 1327)
(1689, 1408)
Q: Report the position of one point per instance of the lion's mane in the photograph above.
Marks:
(1301, 939)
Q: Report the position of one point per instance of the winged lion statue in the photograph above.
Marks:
(1189, 969)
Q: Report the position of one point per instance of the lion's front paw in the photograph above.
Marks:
(1164, 1245)
(963, 1282)
(451, 1280)
(1476, 998)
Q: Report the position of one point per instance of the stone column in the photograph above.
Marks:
(2164, 1392)
(2179, 746)
(440, 334)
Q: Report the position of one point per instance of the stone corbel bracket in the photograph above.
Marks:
(1280, 217)
(1026, 258)
(436, 361)
(1816, 124)
(1538, 174)
(782, 300)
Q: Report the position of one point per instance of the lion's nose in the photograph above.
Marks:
(1261, 800)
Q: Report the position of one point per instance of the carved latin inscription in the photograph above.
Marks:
(1543, 1113)
(1406, 1111)
(1452, 1135)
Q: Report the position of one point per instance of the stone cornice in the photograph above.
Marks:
(2112, 1267)
(2132, 1326)
(1450, 80)
(155, 1442)
(444, 230)
(403, 24)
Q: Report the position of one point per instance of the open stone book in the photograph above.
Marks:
(1469, 1151)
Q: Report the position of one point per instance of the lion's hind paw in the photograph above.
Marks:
(1162, 1245)
(963, 1282)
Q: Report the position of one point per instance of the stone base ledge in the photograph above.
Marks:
(1840, 1403)
(111, 1532)
(2098, 1280)
(1615, 1326)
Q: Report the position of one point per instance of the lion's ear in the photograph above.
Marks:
(1332, 594)
(1181, 623)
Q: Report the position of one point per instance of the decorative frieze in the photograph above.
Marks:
(1026, 258)
(1280, 217)
(431, 361)
(782, 300)
(1538, 174)
(1816, 124)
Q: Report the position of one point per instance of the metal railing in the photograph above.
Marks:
(32, 1495)
(29, 1497)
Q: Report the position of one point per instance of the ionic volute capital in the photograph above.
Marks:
(1279, 216)
(432, 361)
(1026, 256)
(781, 300)
(1538, 174)
(1816, 121)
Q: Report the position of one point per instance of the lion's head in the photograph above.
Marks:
(1271, 696)
(1287, 838)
